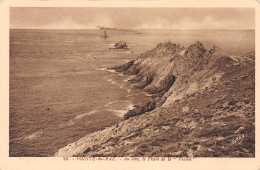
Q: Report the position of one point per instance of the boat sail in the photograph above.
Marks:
(105, 34)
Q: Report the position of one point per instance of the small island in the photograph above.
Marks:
(120, 45)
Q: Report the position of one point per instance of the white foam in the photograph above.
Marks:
(109, 103)
(90, 55)
(112, 71)
(132, 44)
(34, 135)
(118, 111)
(129, 78)
(129, 107)
(123, 111)
(70, 123)
(101, 69)
(111, 81)
(105, 45)
(84, 114)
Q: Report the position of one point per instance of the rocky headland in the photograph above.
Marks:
(202, 105)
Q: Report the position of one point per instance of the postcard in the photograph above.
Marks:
(129, 84)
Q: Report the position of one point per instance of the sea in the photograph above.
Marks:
(60, 89)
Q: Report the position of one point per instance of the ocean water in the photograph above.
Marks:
(59, 87)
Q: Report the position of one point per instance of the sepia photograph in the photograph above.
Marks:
(132, 82)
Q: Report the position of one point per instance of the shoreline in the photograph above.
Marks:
(194, 107)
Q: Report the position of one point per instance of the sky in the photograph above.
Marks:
(132, 18)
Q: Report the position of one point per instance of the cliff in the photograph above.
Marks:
(202, 104)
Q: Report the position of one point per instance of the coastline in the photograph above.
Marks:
(200, 96)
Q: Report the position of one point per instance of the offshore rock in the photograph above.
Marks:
(120, 45)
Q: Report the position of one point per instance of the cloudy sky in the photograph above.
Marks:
(132, 18)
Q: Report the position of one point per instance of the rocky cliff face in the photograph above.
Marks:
(203, 104)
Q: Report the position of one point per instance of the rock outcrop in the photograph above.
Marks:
(203, 105)
(120, 45)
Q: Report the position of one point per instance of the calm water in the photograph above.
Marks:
(60, 91)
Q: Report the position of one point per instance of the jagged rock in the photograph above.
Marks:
(196, 50)
(250, 55)
(214, 50)
(124, 67)
(149, 106)
(120, 45)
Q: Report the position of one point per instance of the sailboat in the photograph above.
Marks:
(105, 34)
